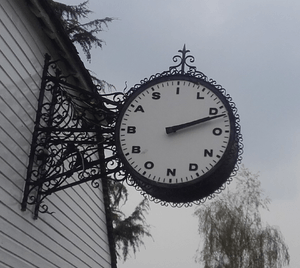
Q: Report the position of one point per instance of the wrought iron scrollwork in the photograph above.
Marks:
(73, 126)
(184, 60)
(73, 140)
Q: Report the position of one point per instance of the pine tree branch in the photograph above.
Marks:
(84, 34)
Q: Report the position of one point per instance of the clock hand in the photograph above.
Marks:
(192, 123)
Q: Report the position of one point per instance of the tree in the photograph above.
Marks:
(232, 229)
(128, 231)
(85, 34)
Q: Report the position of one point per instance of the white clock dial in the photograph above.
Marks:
(174, 132)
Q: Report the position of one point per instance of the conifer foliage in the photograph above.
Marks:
(128, 230)
(84, 34)
(233, 233)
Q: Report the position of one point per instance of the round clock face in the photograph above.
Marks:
(174, 132)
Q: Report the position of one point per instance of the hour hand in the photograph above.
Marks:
(192, 123)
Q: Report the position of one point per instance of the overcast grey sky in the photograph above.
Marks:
(251, 48)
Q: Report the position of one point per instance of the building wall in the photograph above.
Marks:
(75, 235)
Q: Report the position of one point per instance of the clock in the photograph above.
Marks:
(176, 136)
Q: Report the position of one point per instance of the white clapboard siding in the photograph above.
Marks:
(75, 235)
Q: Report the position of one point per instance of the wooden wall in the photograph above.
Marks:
(76, 234)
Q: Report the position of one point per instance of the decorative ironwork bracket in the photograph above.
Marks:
(73, 139)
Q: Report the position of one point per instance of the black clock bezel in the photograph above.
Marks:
(204, 185)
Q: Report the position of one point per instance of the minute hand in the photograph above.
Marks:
(192, 123)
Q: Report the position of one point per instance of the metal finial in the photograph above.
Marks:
(183, 61)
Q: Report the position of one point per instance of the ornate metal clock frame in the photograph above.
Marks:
(74, 137)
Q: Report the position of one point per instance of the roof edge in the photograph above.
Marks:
(53, 28)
